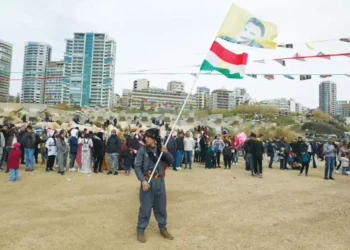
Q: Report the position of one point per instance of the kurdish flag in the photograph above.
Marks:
(79, 111)
(226, 62)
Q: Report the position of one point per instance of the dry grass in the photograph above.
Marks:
(207, 209)
(270, 132)
(321, 115)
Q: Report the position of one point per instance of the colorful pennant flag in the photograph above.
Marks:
(287, 46)
(322, 55)
(282, 62)
(308, 46)
(325, 76)
(289, 77)
(33, 101)
(297, 55)
(79, 111)
(225, 61)
(243, 28)
(305, 77)
(253, 76)
(269, 77)
(260, 61)
(345, 39)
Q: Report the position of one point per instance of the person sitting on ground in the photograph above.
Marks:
(344, 164)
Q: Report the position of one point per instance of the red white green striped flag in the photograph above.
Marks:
(226, 62)
(80, 112)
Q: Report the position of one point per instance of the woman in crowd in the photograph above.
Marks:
(51, 151)
(86, 156)
(98, 151)
(61, 151)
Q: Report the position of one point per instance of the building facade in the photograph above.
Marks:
(219, 99)
(328, 97)
(141, 84)
(36, 57)
(345, 110)
(287, 105)
(176, 86)
(90, 68)
(5, 69)
(203, 94)
(56, 90)
(237, 97)
(125, 99)
(155, 98)
(339, 107)
(116, 101)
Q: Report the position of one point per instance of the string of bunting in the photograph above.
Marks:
(307, 44)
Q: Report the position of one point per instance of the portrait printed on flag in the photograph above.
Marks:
(243, 28)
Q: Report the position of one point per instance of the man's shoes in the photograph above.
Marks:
(115, 173)
(166, 234)
(326, 178)
(331, 178)
(109, 172)
(141, 238)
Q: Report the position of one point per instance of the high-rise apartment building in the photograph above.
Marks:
(219, 99)
(284, 104)
(203, 97)
(56, 91)
(5, 69)
(339, 107)
(328, 97)
(141, 84)
(90, 67)
(36, 57)
(238, 97)
(176, 86)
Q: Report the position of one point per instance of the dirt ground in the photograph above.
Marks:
(207, 209)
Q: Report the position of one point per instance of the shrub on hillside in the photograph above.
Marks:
(321, 115)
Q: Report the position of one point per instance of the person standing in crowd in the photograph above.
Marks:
(248, 155)
(227, 154)
(61, 150)
(188, 149)
(73, 148)
(29, 148)
(344, 159)
(133, 143)
(235, 150)
(43, 150)
(51, 151)
(98, 152)
(179, 150)
(218, 144)
(314, 148)
(113, 147)
(257, 151)
(86, 154)
(342, 150)
(284, 150)
(2, 146)
(153, 195)
(276, 143)
(13, 162)
(171, 146)
(329, 151)
(202, 144)
(305, 161)
(22, 141)
(10, 138)
(270, 151)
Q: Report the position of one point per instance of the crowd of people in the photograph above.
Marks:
(86, 152)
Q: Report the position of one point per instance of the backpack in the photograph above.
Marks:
(85, 148)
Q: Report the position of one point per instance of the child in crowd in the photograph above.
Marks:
(215, 150)
(209, 155)
(290, 160)
(281, 158)
(128, 161)
(227, 155)
(344, 163)
(13, 160)
(196, 151)
(305, 159)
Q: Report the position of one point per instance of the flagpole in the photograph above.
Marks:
(176, 121)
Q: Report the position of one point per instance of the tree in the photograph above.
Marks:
(142, 106)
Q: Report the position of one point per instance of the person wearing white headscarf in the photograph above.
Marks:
(73, 149)
(51, 150)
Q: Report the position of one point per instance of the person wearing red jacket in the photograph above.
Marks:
(235, 148)
(13, 162)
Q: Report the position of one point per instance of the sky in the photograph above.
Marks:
(158, 34)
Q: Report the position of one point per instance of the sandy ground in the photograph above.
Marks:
(207, 209)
